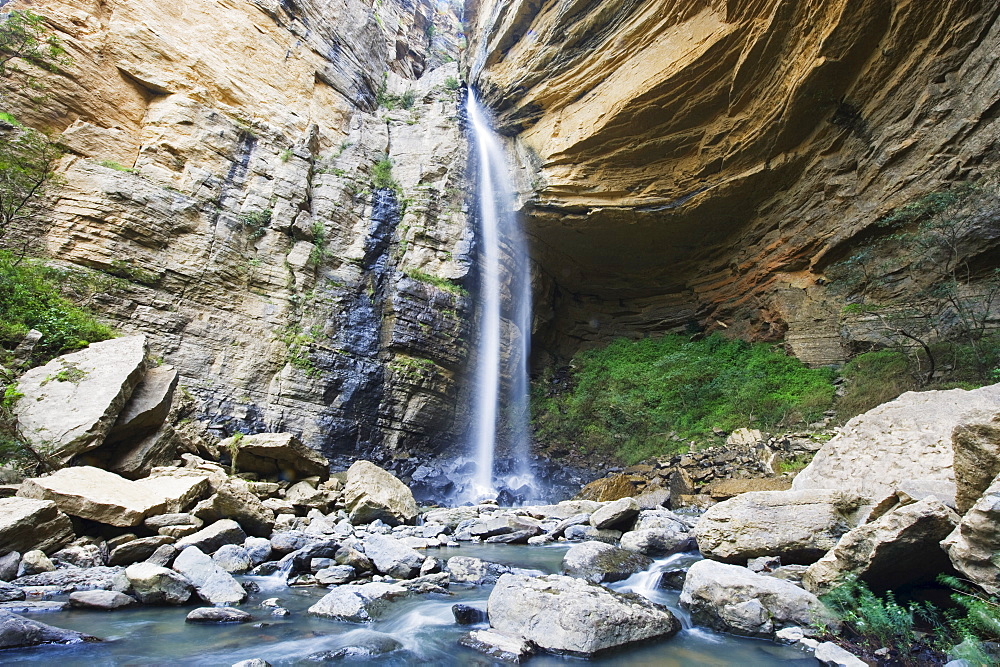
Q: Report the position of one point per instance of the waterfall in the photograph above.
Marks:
(503, 272)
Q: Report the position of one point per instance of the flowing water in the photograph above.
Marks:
(423, 627)
(504, 290)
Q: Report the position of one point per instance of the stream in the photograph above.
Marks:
(423, 625)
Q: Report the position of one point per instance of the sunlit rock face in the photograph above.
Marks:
(702, 163)
(225, 184)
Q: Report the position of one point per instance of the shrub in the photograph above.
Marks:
(30, 299)
(451, 83)
(382, 175)
(629, 398)
(256, 222)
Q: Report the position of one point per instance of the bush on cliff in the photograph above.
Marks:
(635, 399)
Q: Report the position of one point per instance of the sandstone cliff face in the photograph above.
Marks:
(227, 164)
(704, 162)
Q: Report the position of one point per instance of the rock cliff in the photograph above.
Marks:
(704, 162)
(274, 193)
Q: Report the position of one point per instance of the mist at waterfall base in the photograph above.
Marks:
(500, 379)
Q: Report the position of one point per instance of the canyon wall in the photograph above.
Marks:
(275, 193)
(700, 164)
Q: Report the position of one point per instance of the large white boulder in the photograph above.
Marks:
(798, 526)
(974, 545)
(71, 403)
(734, 599)
(372, 493)
(898, 548)
(212, 584)
(280, 455)
(358, 603)
(569, 615)
(903, 442)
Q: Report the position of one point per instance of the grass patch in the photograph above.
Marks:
(117, 166)
(30, 299)
(437, 281)
(636, 399)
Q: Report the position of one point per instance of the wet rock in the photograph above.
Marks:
(598, 562)
(79, 579)
(17, 631)
(496, 645)
(591, 533)
(468, 615)
(619, 514)
(657, 541)
(798, 526)
(27, 524)
(972, 547)
(358, 603)
(212, 584)
(734, 599)
(233, 500)
(373, 644)
(253, 662)
(34, 606)
(105, 600)
(34, 562)
(899, 548)
(279, 455)
(10, 593)
(372, 493)
(210, 538)
(465, 569)
(564, 614)
(218, 615)
(336, 575)
(137, 550)
(232, 558)
(70, 404)
(393, 558)
(673, 579)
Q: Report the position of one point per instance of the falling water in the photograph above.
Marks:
(500, 237)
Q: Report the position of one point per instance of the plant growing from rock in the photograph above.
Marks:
(233, 447)
(27, 167)
(25, 38)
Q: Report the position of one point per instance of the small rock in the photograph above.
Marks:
(214, 536)
(253, 662)
(34, 562)
(598, 562)
(18, 631)
(467, 615)
(336, 575)
(218, 615)
(106, 600)
(831, 655)
(212, 584)
(11, 593)
(154, 584)
(617, 514)
(233, 558)
(496, 645)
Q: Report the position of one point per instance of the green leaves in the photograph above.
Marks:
(24, 36)
(27, 161)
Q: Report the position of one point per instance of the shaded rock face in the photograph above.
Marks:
(973, 546)
(252, 243)
(706, 161)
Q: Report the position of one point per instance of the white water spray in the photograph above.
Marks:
(503, 264)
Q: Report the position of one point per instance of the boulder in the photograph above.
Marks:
(976, 443)
(335, 575)
(451, 516)
(18, 631)
(569, 615)
(286, 541)
(210, 538)
(72, 579)
(610, 488)
(899, 548)
(657, 541)
(598, 562)
(10, 592)
(618, 514)
(234, 500)
(364, 646)
(258, 549)
(734, 599)
(8, 565)
(663, 518)
(70, 404)
(279, 455)
(34, 562)
(829, 654)
(80, 555)
(505, 525)
(175, 519)
(233, 559)
(218, 615)
(135, 459)
(914, 442)
(146, 408)
(104, 600)
(392, 557)
(372, 493)
(467, 615)
(102, 496)
(798, 526)
(358, 603)
(27, 524)
(466, 569)
(154, 584)
(212, 584)
(974, 544)
(724, 489)
(588, 532)
(303, 494)
(137, 550)
(163, 556)
(498, 646)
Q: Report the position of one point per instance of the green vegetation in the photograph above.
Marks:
(133, 273)
(110, 164)
(382, 175)
(437, 281)
(27, 163)
(285, 155)
(24, 38)
(318, 252)
(256, 223)
(451, 83)
(30, 299)
(390, 101)
(913, 630)
(233, 447)
(636, 399)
